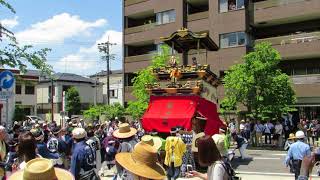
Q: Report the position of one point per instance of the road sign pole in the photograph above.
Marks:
(7, 112)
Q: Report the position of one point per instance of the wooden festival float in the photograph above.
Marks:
(184, 95)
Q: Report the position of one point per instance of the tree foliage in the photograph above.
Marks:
(73, 105)
(19, 114)
(110, 111)
(14, 55)
(259, 85)
(145, 76)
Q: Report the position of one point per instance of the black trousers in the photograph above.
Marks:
(296, 164)
(266, 136)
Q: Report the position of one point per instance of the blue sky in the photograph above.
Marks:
(71, 28)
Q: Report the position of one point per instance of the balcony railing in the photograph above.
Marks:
(306, 79)
(137, 29)
(274, 3)
(197, 16)
(292, 39)
(131, 2)
(143, 57)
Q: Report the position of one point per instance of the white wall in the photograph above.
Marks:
(116, 83)
(86, 92)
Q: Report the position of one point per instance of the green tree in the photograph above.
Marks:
(14, 55)
(136, 108)
(19, 114)
(259, 85)
(114, 110)
(110, 111)
(73, 105)
(92, 113)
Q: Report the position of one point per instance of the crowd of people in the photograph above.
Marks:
(275, 133)
(84, 151)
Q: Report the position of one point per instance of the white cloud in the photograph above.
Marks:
(87, 60)
(10, 23)
(58, 28)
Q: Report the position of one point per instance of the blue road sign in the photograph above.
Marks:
(6, 79)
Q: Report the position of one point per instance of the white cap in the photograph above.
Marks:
(79, 133)
(300, 135)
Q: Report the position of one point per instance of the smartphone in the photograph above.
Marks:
(189, 168)
(317, 157)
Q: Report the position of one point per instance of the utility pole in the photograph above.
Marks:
(52, 89)
(105, 48)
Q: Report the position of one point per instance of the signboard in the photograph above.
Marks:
(5, 94)
(6, 82)
(6, 79)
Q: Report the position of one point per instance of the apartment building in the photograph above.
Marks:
(292, 26)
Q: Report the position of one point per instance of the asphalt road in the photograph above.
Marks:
(264, 163)
(261, 165)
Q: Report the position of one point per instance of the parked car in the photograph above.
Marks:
(34, 119)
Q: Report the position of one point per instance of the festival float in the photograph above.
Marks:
(184, 95)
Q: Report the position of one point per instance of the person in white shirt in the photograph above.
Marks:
(209, 155)
(278, 129)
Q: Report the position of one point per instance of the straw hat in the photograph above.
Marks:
(291, 136)
(79, 133)
(219, 141)
(124, 131)
(41, 168)
(152, 141)
(143, 161)
(194, 147)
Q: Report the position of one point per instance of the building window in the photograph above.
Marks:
(166, 17)
(18, 89)
(230, 5)
(233, 39)
(113, 93)
(29, 90)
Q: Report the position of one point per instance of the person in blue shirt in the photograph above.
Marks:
(82, 160)
(297, 152)
(42, 149)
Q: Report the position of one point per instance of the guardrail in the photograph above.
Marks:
(274, 3)
(137, 29)
(292, 39)
(131, 2)
(197, 16)
(143, 57)
(306, 79)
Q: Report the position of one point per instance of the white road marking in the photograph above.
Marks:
(278, 154)
(267, 173)
(265, 158)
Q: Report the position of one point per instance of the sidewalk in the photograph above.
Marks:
(257, 177)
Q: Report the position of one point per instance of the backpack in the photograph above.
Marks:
(90, 152)
(53, 145)
(229, 170)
